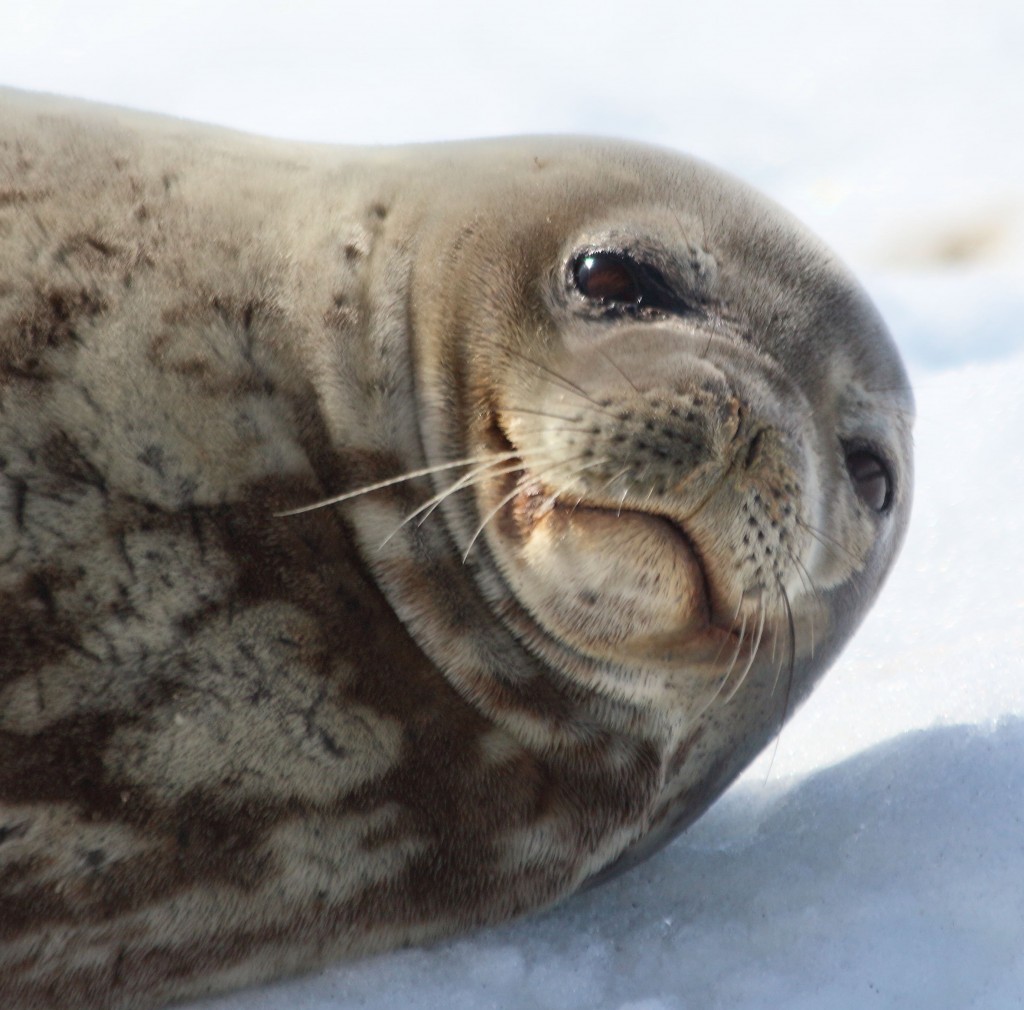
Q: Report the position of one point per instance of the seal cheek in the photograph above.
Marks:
(625, 584)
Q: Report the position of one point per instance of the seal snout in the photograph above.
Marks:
(657, 440)
(649, 518)
(670, 442)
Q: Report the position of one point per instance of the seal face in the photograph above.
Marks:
(394, 541)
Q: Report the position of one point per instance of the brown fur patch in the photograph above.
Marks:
(50, 322)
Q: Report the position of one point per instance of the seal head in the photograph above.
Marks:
(692, 436)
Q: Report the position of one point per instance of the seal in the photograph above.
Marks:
(393, 541)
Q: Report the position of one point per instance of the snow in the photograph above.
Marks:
(874, 856)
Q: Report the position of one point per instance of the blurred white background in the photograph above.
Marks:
(867, 118)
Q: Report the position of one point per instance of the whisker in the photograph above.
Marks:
(557, 492)
(735, 656)
(732, 624)
(490, 515)
(377, 486)
(556, 377)
(477, 475)
(791, 624)
(753, 655)
(614, 477)
(544, 413)
(826, 541)
(812, 589)
(789, 681)
(504, 501)
(611, 361)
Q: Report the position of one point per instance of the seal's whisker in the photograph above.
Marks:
(409, 475)
(566, 486)
(791, 623)
(775, 642)
(504, 501)
(812, 590)
(756, 644)
(555, 377)
(736, 652)
(802, 573)
(615, 476)
(732, 624)
(592, 405)
(618, 368)
(713, 331)
(727, 673)
(479, 476)
(476, 476)
(490, 515)
(557, 492)
(527, 476)
(606, 486)
(578, 430)
(545, 413)
(829, 543)
(897, 387)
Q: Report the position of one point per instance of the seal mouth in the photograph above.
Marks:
(533, 501)
(687, 612)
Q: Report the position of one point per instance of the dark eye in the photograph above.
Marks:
(608, 278)
(871, 479)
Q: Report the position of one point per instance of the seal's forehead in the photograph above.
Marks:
(576, 174)
(584, 184)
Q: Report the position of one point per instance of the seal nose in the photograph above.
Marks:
(655, 441)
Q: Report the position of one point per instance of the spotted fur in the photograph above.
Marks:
(237, 740)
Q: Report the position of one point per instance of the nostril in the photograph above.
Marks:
(754, 449)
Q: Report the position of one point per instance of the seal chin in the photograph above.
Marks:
(608, 582)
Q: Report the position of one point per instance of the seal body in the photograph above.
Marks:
(637, 457)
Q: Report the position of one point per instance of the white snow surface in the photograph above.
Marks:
(874, 856)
